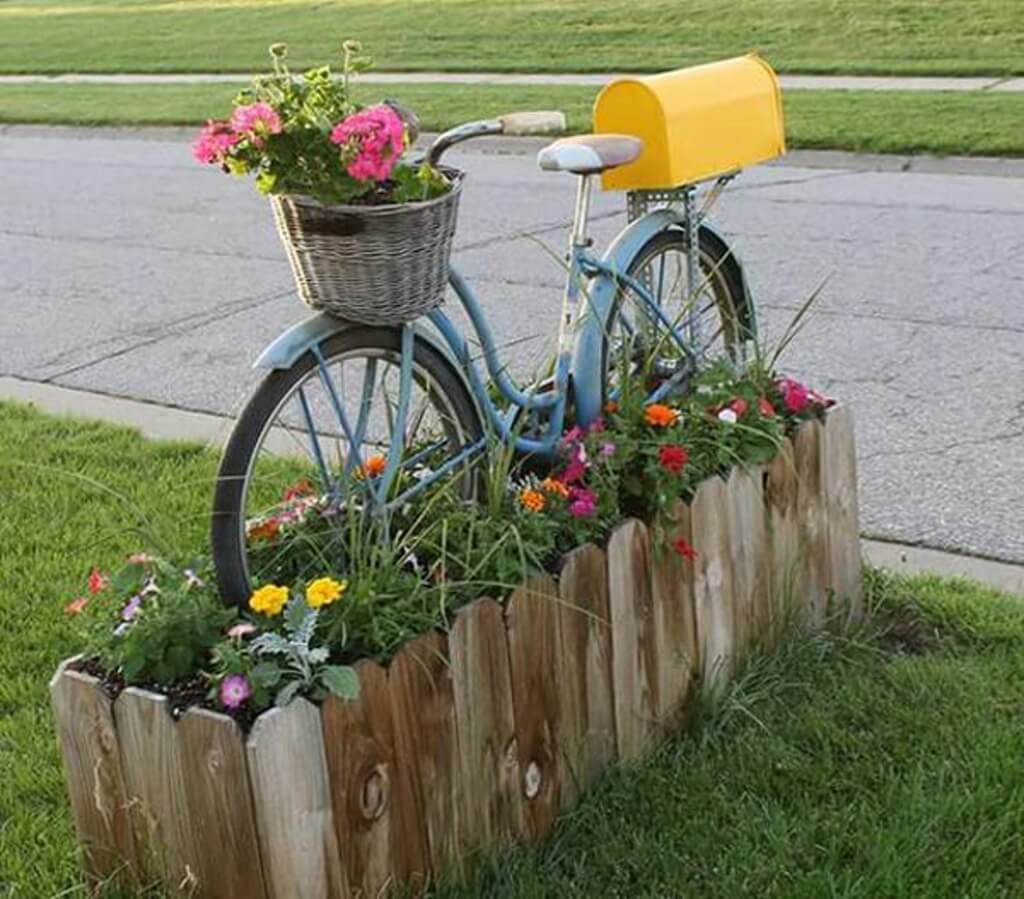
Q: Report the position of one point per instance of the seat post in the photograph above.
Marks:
(581, 214)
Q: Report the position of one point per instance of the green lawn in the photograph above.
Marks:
(838, 768)
(854, 36)
(882, 122)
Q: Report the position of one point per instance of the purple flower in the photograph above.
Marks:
(607, 449)
(132, 608)
(234, 691)
(582, 502)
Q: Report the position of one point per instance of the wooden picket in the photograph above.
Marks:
(359, 748)
(155, 783)
(93, 772)
(426, 757)
(532, 627)
(586, 718)
(292, 802)
(480, 736)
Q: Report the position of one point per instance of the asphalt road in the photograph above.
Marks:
(127, 269)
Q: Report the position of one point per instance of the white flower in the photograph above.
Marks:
(727, 415)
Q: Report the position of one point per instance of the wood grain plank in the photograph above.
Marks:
(748, 529)
(712, 584)
(674, 629)
(586, 717)
(844, 558)
(359, 746)
(787, 563)
(812, 525)
(491, 808)
(426, 758)
(531, 622)
(155, 780)
(94, 775)
(634, 661)
(292, 802)
(220, 808)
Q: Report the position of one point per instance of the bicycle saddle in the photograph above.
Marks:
(589, 154)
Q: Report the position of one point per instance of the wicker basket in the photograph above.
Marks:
(377, 265)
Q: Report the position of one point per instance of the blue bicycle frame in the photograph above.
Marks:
(580, 354)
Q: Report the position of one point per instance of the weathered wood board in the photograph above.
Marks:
(359, 748)
(634, 659)
(713, 583)
(426, 758)
(220, 809)
(94, 775)
(586, 717)
(674, 629)
(812, 530)
(491, 805)
(839, 461)
(787, 563)
(155, 781)
(292, 801)
(531, 619)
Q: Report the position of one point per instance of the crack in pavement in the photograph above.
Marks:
(941, 451)
(174, 328)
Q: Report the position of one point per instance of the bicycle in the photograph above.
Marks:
(385, 413)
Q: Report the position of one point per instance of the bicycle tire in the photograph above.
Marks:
(228, 520)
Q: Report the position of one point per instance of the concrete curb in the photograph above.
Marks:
(578, 79)
(984, 166)
(167, 423)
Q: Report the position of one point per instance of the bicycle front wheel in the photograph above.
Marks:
(312, 447)
(636, 340)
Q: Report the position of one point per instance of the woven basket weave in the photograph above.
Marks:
(377, 265)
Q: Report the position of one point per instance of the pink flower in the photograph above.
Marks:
(582, 502)
(234, 691)
(820, 398)
(573, 435)
(214, 142)
(607, 449)
(794, 395)
(371, 142)
(98, 581)
(242, 629)
(77, 606)
(258, 119)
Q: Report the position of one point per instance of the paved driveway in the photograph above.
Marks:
(127, 269)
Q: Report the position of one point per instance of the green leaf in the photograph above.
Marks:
(265, 674)
(287, 693)
(341, 680)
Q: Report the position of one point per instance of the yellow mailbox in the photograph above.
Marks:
(695, 123)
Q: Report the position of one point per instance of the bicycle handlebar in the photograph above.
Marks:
(543, 122)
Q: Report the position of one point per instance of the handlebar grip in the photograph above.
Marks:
(543, 122)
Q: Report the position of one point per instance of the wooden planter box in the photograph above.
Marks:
(480, 736)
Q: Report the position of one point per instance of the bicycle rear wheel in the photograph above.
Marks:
(635, 340)
(295, 468)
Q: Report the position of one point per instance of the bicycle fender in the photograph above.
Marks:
(288, 347)
(598, 296)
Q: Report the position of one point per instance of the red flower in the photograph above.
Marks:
(767, 409)
(685, 550)
(97, 581)
(794, 395)
(739, 406)
(673, 458)
(298, 490)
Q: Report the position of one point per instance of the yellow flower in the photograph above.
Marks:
(324, 590)
(269, 600)
(532, 500)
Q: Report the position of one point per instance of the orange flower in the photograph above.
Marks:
(556, 488)
(532, 500)
(659, 416)
(611, 407)
(76, 607)
(267, 529)
(374, 466)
